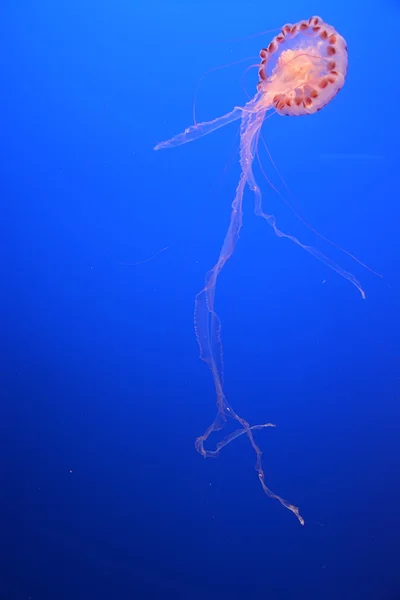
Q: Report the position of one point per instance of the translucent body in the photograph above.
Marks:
(310, 68)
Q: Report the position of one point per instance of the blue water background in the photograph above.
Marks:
(103, 495)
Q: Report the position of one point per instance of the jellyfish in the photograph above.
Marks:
(300, 72)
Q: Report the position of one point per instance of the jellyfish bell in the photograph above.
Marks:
(303, 68)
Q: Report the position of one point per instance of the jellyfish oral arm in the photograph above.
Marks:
(199, 130)
(207, 323)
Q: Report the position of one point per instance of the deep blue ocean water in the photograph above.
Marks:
(105, 244)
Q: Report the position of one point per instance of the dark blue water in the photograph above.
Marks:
(105, 244)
